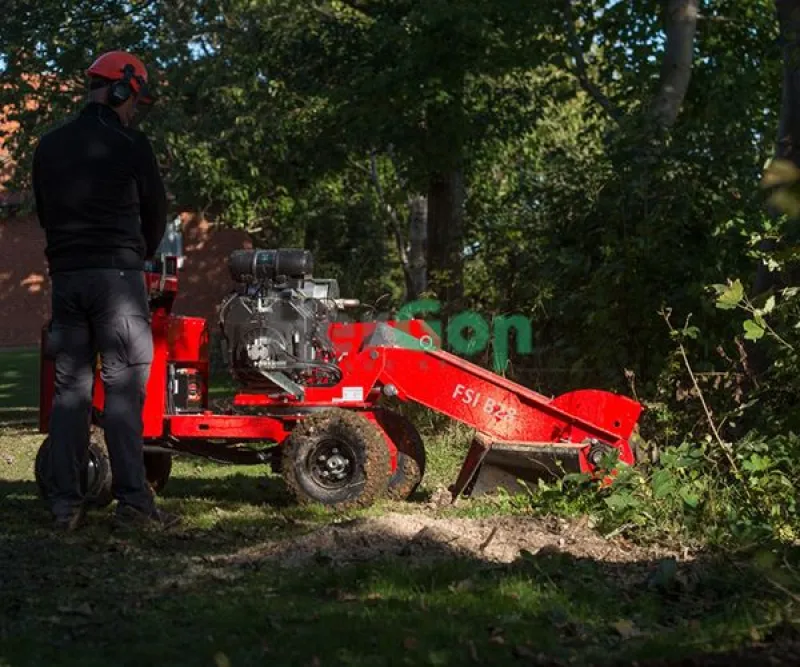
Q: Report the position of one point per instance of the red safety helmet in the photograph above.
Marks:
(126, 70)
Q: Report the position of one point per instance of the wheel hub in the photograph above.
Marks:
(332, 463)
(597, 451)
(337, 465)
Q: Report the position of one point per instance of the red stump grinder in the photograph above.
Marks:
(313, 388)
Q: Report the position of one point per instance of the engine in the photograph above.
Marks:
(274, 324)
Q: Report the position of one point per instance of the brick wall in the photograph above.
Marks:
(25, 287)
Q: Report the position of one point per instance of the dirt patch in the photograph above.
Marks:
(420, 538)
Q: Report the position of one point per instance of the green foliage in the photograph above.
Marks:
(692, 497)
(731, 474)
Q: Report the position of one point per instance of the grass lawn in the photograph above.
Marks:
(213, 593)
(19, 385)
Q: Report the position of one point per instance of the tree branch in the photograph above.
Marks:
(719, 19)
(580, 67)
(111, 15)
(724, 446)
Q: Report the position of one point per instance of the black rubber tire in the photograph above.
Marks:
(96, 480)
(363, 448)
(158, 468)
(410, 453)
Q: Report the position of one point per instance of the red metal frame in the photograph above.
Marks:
(410, 369)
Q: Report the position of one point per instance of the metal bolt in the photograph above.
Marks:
(390, 390)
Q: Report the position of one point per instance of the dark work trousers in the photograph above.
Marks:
(101, 311)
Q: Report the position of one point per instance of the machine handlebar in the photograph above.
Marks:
(347, 303)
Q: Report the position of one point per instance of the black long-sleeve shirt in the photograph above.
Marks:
(99, 194)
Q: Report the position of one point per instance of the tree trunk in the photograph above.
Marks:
(787, 144)
(676, 67)
(418, 242)
(787, 147)
(446, 237)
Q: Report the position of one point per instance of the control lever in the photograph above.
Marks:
(347, 303)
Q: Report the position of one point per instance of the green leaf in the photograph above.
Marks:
(620, 501)
(690, 497)
(691, 332)
(769, 306)
(577, 477)
(729, 297)
(663, 483)
(757, 463)
(752, 330)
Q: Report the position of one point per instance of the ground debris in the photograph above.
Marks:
(84, 609)
(420, 538)
(440, 497)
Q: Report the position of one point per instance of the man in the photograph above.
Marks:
(102, 204)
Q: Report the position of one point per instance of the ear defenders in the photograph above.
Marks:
(120, 91)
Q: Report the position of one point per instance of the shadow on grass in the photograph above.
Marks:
(232, 489)
(263, 490)
(222, 595)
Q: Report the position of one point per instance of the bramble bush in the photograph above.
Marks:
(731, 478)
(691, 495)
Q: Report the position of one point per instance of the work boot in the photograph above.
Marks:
(127, 516)
(69, 522)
